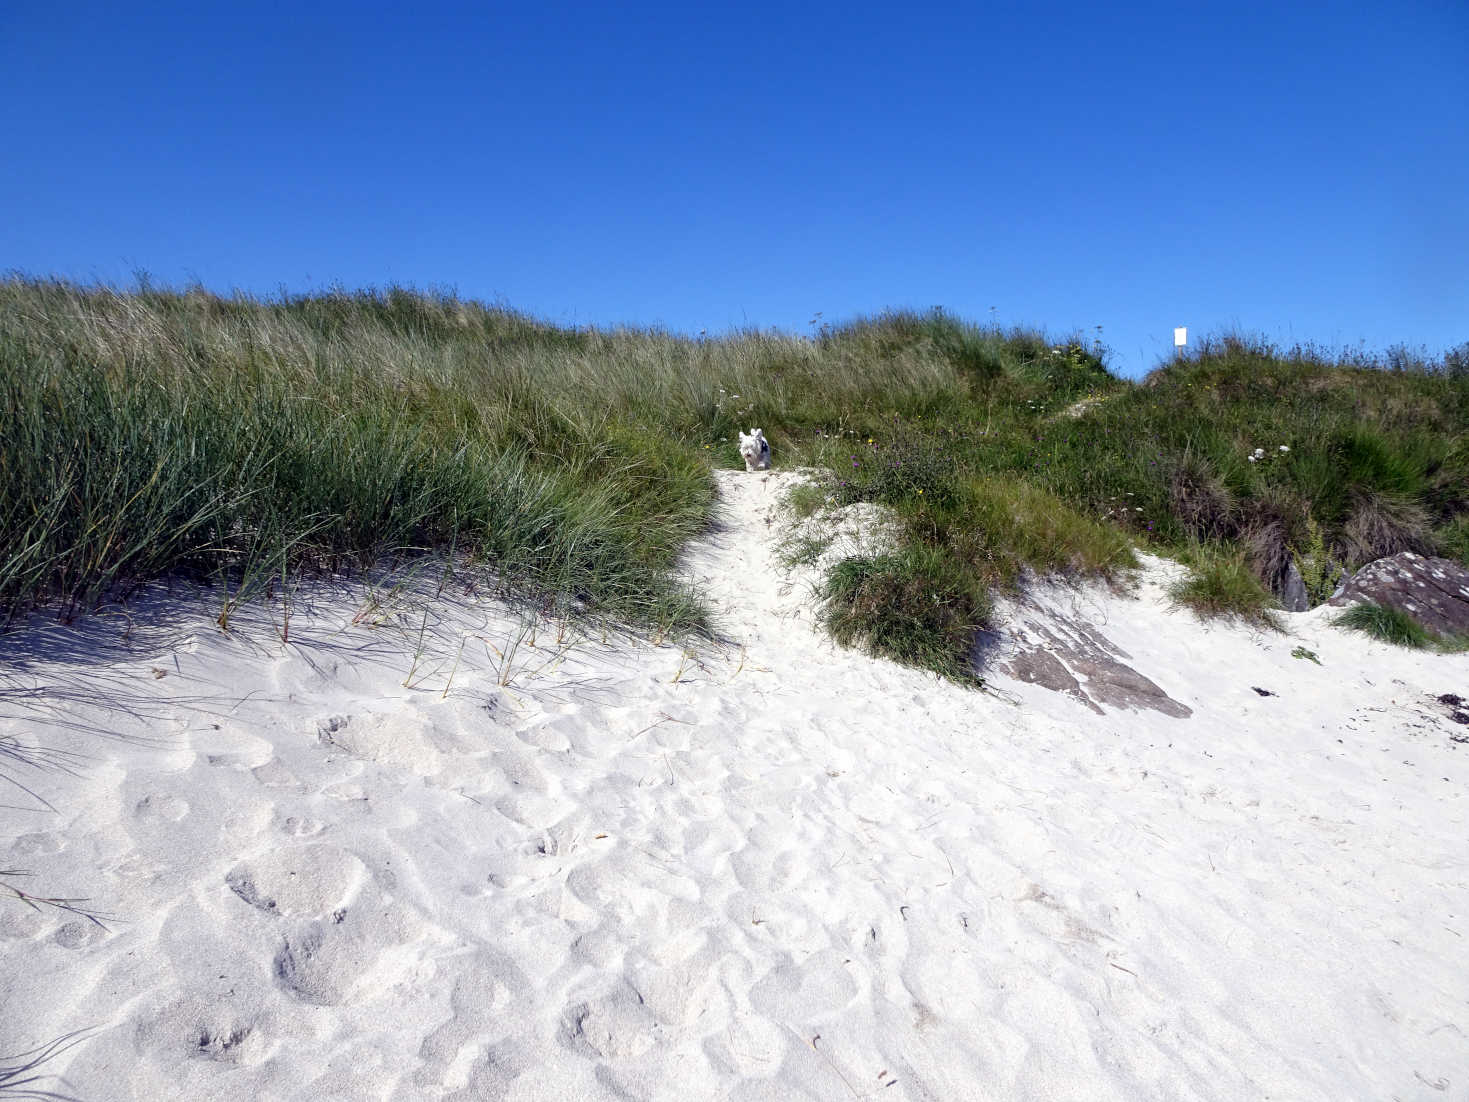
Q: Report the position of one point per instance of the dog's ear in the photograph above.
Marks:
(760, 433)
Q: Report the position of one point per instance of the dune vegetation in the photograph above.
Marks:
(245, 442)
(1398, 627)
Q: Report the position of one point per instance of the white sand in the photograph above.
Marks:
(775, 870)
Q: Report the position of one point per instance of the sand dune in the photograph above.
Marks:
(423, 851)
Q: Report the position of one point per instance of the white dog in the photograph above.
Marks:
(756, 450)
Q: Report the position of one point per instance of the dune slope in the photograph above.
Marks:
(420, 851)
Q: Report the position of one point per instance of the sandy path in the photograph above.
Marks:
(775, 870)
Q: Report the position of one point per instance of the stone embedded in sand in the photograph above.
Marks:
(1292, 591)
(1041, 667)
(1115, 683)
(303, 880)
(1074, 658)
(1433, 591)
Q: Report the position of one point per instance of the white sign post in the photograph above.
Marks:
(1180, 336)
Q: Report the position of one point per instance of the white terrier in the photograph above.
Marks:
(756, 450)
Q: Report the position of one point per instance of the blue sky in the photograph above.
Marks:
(1299, 170)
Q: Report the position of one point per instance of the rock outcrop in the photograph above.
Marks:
(1070, 656)
(1293, 595)
(1433, 591)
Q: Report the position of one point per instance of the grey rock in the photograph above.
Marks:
(1433, 591)
(1041, 667)
(1293, 595)
(1072, 657)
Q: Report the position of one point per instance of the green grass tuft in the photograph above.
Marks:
(805, 500)
(913, 607)
(1391, 625)
(1220, 583)
(1452, 540)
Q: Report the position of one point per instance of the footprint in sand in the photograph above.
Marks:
(610, 886)
(520, 770)
(403, 740)
(309, 881)
(494, 1074)
(1054, 918)
(545, 736)
(301, 826)
(818, 985)
(274, 774)
(531, 809)
(20, 923)
(615, 1025)
(351, 956)
(749, 1047)
(486, 990)
(200, 1029)
(510, 868)
(706, 840)
(37, 845)
(228, 748)
(757, 871)
(679, 993)
(78, 934)
(1129, 839)
(166, 808)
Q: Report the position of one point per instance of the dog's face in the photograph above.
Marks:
(755, 450)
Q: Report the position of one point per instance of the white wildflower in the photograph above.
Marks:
(1284, 448)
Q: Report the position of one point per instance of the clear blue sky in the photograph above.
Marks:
(1295, 169)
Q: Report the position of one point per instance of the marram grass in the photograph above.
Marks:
(153, 433)
(1220, 584)
(1395, 626)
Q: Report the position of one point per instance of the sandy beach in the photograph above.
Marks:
(425, 847)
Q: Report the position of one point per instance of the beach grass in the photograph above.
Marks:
(1390, 625)
(1220, 584)
(914, 606)
(22, 1075)
(1398, 627)
(236, 442)
(153, 433)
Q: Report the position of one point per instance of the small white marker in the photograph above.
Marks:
(1180, 336)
